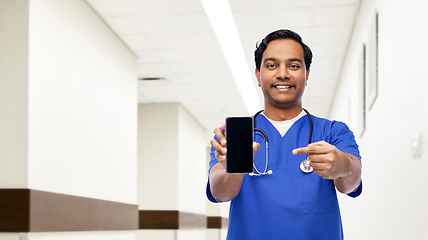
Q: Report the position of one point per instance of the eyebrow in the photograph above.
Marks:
(288, 60)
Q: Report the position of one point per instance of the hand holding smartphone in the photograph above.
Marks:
(239, 142)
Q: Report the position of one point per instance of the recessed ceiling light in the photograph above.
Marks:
(152, 81)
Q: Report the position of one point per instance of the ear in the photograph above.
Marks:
(307, 76)
(257, 73)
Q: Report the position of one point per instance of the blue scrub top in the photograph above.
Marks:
(289, 204)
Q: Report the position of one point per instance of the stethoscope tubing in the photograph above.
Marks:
(304, 166)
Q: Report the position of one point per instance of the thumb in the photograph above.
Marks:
(256, 147)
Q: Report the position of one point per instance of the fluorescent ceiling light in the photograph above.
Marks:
(223, 23)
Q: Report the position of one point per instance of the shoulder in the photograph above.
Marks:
(330, 126)
(336, 133)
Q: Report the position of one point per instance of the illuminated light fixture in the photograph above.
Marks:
(223, 23)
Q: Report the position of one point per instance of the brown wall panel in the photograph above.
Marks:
(25, 210)
(158, 219)
(217, 222)
(60, 212)
(213, 222)
(14, 210)
(165, 219)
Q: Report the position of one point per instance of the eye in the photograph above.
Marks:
(270, 65)
(295, 66)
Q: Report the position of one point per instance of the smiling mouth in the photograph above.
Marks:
(283, 86)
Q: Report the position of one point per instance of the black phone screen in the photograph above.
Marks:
(239, 143)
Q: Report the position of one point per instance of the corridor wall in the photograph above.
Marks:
(171, 173)
(68, 107)
(392, 205)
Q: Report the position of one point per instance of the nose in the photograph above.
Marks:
(282, 72)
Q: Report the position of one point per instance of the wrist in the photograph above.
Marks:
(348, 165)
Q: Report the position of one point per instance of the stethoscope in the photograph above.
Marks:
(304, 165)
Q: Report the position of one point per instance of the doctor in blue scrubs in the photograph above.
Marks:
(289, 203)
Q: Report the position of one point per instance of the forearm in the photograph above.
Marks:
(224, 186)
(350, 182)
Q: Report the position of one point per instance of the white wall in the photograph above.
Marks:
(68, 107)
(191, 165)
(158, 156)
(192, 174)
(13, 93)
(111, 235)
(392, 205)
(172, 166)
(82, 104)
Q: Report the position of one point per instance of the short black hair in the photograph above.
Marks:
(281, 34)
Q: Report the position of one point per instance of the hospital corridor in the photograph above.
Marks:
(108, 110)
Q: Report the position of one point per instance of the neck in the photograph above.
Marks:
(282, 114)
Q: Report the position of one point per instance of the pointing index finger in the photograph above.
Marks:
(303, 150)
(313, 148)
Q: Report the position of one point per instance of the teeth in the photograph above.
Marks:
(282, 86)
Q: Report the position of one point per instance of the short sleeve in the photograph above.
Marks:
(343, 138)
(213, 161)
(357, 192)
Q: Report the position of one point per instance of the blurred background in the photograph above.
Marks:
(107, 108)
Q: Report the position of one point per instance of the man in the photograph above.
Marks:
(289, 203)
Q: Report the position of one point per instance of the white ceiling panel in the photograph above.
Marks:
(173, 39)
(121, 25)
(150, 7)
(329, 34)
(334, 16)
(153, 70)
(136, 42)
(273, 19)
(324, 3)
(263, 5)
(219, 78)
(214, 95)
(183, 40)
(106, 8)
(162, 89)
(192, 55)
(148, 56)
(225, 88)
(250, 37)
(172, 23)
(199, 67)
(329, 49)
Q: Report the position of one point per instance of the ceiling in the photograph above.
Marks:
(174, 40)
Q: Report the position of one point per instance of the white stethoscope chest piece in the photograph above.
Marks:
(305, 167)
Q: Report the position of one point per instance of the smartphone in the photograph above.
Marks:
(239, 143)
